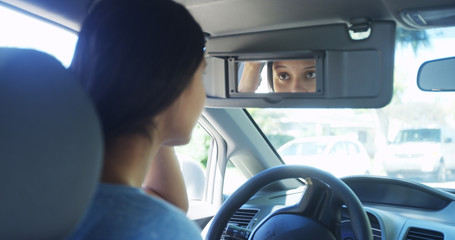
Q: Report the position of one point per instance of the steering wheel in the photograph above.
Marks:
(314, 217)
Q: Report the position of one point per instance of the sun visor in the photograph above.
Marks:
(336, 65)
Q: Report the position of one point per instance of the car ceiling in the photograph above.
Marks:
(225, 17)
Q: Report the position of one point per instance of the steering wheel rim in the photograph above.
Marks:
(360, 223)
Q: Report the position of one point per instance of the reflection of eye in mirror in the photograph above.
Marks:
(281, 76)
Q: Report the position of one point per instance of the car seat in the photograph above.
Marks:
(50, 147)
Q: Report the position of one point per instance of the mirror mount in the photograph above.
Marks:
(360, 28)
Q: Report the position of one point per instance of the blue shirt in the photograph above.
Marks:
(123, 212)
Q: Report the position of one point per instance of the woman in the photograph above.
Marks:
(285, 76)
(141, 62)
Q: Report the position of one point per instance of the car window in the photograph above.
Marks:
(338, 149)
(421, 122)
(193, 161)
(293, 149)
(233, 179)
(418, 135)
(352, 148)
(312, 148)
(24, 31)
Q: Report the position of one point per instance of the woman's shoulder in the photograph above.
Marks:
(122, 212)
(133, 200)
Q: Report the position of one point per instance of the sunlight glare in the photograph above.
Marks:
(23, 31)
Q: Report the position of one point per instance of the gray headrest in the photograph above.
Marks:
(50, 147)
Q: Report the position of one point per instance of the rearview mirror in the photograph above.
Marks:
(437, 75)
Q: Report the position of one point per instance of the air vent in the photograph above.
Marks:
(375, 227)
(243, 217)
(423, 234)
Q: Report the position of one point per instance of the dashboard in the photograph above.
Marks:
(396, 209)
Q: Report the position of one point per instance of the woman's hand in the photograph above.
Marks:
(250, 77)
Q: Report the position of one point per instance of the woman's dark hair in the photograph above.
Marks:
(135, 57)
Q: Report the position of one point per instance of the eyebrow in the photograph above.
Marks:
(283, 66)
(279, 66)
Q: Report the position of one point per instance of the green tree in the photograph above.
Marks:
(198, 147)
(413, 38)
(271, 126)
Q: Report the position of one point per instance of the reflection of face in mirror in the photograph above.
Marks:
(284, 76)
(294, 76)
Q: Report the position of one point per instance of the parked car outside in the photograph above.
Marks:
(420, 152)
(338, 155)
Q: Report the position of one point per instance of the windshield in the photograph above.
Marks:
(368, 141)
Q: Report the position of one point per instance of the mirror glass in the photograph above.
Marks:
(437, 75)
(280, 76)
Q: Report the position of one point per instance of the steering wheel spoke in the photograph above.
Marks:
(318, 202)
(314, 199)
